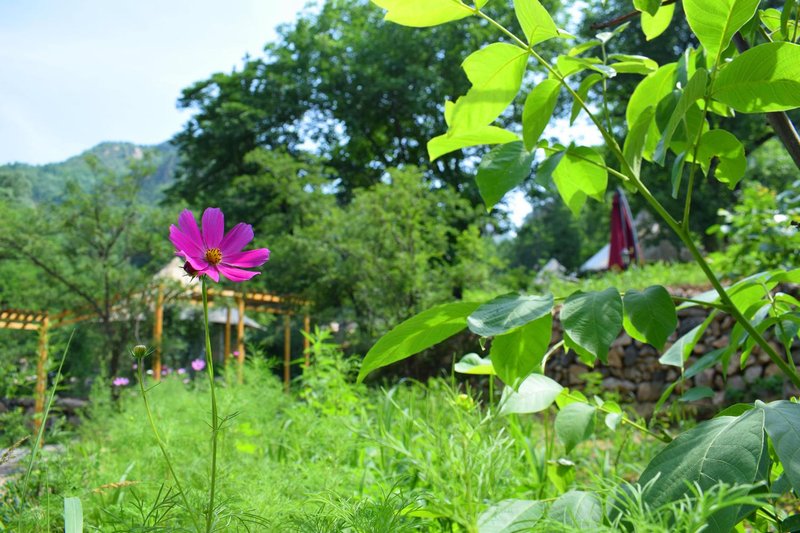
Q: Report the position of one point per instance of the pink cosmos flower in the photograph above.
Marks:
(120, 382)
(209, 252)
(198, 365)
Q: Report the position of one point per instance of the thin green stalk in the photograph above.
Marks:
(162, 446)
(701, 303)
(214, 417)
(40, 434)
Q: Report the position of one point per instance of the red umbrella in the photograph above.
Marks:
(624, 249)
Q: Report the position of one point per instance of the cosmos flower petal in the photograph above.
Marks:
(213, 227)
(212, 272)
(188, 226)
(236, 239)
(248, 259)
(236, 274)
(183, 243)
(197, 263)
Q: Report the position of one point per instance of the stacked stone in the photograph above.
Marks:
(634, 372)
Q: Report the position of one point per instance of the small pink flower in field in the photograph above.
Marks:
(120, 382)
(135, 366)
(181, 371)
(210, 252)
(198, 365)
(236, 353)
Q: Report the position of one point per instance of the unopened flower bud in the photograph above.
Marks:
(139, 351)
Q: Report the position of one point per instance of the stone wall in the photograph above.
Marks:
(633, 370)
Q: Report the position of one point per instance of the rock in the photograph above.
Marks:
(647, 351)
(622, 341)
(615, 357)
(672, 375)
(704, 378)
(649, 392)
(736, 383)
(575, 372)
(772, 370)
(753, 373)
(630, 356)
(619, 385)
(721, 342)
(719, 398)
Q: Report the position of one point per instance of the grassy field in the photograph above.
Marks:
(332, 456)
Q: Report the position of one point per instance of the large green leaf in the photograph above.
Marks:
(647, 6)
(655, 25)
(495, 72)
(501, 169)
(511, 516)
(677, 354)
(763, 79)
(649, 315)
(715, 21)
(580, 174)
(650, 91)
(694, 90)
(423, 13)
(504, 313)
(592, 320)
(474, 364)
(727, 449)
(73, 515)
(416, 334)
(583, 92)
(535, 394)
(636, 139)
(458, 139)
(536, 22)
(519, 352)
(539, 107)
(575, 424)
(782, 423)
(577, 509)
(729, 152)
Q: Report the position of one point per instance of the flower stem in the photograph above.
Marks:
(214, 417)
(163, 446)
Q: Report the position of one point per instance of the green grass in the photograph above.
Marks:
(330, 457)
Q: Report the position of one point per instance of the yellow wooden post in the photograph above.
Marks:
(158, 332)
(41, 377)
(287, 348)
(307, 329)
(240, 337)
(227, 336)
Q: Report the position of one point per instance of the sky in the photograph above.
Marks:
(76, 73)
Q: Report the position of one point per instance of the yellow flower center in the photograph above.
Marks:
(213, 256)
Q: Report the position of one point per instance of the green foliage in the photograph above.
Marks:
(726, 449)
(649, 315)
(758, 231)
(416, 334)
(591, 322)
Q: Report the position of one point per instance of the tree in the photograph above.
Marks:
(361, 93)
(94, 253)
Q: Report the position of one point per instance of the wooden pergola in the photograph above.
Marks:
(32, 321)
(255, 302)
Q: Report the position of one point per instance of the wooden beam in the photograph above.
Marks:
(158, 333)
(240, 337)
(41, 378)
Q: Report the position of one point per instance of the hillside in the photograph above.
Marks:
(45, 183)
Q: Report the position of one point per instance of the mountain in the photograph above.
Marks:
(45, 183)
